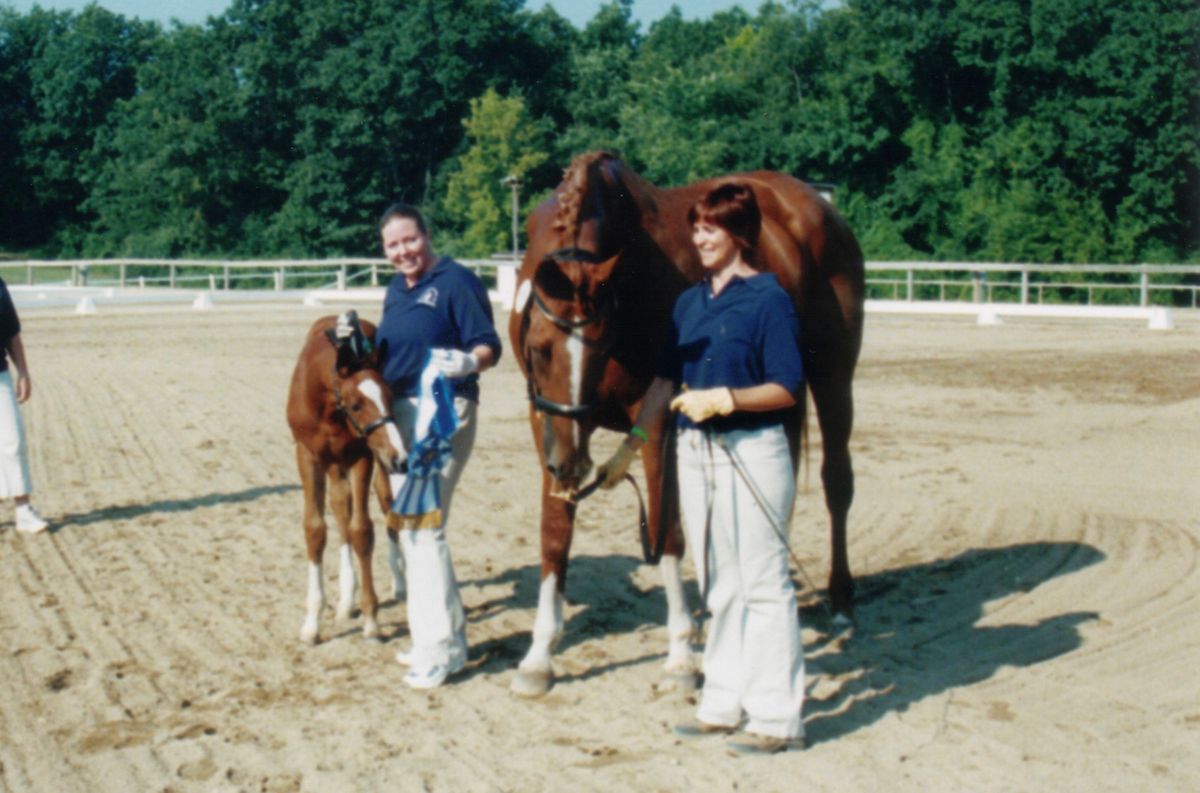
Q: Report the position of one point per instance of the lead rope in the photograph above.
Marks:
(740, 467)
(710, 484)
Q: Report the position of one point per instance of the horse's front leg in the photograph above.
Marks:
(662, 493)
(386, 486)
(340, 504)
(362, 539)
(535, 675)
(312, 478)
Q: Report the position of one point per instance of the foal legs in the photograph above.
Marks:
(386, 487)
(312, 477)
(349, 503)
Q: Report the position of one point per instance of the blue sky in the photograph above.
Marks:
(577, 11)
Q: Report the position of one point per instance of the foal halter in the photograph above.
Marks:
(340, 407)
(568, 326)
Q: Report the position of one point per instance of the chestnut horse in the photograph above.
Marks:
(608, 254)
(339, 410)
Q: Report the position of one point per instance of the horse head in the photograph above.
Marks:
(565, 302)
(361, 397)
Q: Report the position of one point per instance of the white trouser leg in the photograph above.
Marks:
(753, 660)
(14, 464)
(436, 619)
(435, 613)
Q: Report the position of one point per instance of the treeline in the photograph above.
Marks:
(1001, 130)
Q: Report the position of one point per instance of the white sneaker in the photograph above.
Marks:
(29, 521)
(404, 657)
(432, 677)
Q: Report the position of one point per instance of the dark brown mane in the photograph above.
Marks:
(570, 192)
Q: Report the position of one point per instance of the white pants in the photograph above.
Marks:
(753, 659)
(436, 620)
(14, 465)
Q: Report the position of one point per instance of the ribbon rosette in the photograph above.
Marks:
(418, 505)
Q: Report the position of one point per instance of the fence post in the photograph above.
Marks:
(908, 282)
(1024, 287)
(374, 275)
(1145, 288)
(279, 280)
(341, 278)
(171, 274)
(227, 276)
(121, 274)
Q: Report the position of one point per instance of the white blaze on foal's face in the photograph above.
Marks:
(372, 391)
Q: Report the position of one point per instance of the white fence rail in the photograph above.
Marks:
(1023, 284)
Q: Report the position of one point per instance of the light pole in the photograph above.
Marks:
(514, 183)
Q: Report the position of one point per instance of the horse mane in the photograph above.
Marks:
(570, 192)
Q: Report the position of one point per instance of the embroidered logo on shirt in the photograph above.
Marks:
(429, 297)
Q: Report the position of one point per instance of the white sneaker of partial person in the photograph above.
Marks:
(433, 676)
(29, 521)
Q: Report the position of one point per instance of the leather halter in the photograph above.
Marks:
(340, 407)
(540, 403)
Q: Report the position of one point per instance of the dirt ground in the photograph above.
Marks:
(1025, 536)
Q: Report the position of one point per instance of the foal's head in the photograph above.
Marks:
(361, 397)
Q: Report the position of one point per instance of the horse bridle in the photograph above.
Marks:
(340, 407)
(568, 326)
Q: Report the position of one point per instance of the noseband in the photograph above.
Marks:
(567, 326)
(340, 407)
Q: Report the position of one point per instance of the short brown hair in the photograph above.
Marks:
(402, 210)
(731, 206)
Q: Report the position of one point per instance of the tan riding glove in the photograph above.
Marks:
(704, 404)
(612, 471)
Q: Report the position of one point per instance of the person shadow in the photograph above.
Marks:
(120, 512)
(917, 632)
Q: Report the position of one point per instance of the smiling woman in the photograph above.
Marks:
(436, 318)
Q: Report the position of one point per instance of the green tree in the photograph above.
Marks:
(81, 66)
(180, 171)
(504, 142)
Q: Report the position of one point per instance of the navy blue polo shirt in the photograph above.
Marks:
(746, 336)
(10, 324)
(447, 308)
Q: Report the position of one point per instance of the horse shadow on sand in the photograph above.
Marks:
(916, 633)
(120, 512)
(915, 636)
(606, 600)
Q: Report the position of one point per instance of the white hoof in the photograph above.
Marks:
(308, 634)
(370, 629)
(532, 683)
(344, 612)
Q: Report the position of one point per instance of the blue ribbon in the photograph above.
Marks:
(418, 505)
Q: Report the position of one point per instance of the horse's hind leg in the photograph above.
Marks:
(312, 478)
(835, 412)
